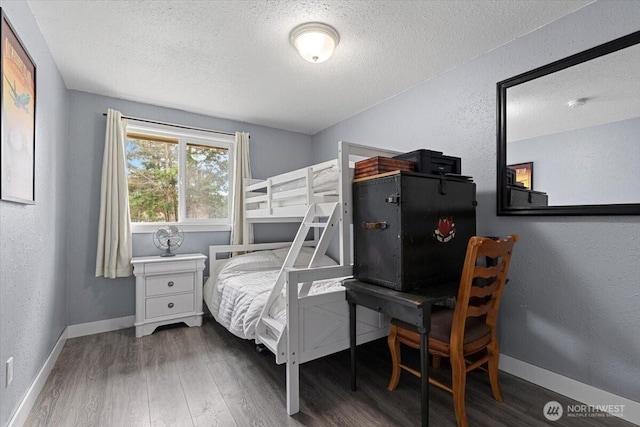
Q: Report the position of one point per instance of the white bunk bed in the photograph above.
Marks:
(316, 324)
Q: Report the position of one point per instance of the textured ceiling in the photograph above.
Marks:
(232, 59)
(610, 84)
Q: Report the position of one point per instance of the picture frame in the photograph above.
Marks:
(524, 174)
(18, 108)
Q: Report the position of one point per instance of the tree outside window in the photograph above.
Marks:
(176, 179)
(207, 182)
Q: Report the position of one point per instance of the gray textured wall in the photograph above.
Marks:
(33, 237)
(571, 305)
(594, 165)
(89, 298)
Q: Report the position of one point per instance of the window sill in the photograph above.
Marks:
(140, 228)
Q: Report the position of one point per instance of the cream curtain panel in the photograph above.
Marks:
(241, 171)
(113, 258)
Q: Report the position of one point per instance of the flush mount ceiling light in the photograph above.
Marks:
(314, 41)
(577, 102)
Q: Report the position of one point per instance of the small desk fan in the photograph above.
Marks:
(168, 238)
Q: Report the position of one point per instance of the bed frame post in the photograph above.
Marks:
(293, 367)
(346, 218)
(247, 239)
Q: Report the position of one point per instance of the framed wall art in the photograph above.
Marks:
(524, 174)
(18, 105)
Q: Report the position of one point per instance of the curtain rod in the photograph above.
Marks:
(175, 125)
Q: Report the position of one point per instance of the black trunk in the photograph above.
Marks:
(411, 230)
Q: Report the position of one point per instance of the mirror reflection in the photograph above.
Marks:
(571, 137)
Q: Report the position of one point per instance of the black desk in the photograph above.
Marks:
(413, 307)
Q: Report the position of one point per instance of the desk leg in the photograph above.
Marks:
(352, 341)
(424, 378)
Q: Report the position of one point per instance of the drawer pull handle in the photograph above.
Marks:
(170, 284)
(170, 305)
(376, 225)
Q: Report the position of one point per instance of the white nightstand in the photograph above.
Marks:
(168, 290)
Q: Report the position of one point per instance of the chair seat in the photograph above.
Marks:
(441, 320)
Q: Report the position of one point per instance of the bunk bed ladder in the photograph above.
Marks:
(270, 331)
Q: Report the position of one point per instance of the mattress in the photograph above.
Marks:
(237, 291)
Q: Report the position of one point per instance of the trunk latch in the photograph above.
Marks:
(394, 198)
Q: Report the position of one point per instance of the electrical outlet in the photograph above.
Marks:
(9, 371)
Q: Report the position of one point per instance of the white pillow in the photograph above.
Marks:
(254, 261)
(304, 258)
(267, 260)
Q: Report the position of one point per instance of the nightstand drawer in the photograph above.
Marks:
(169, 305)
(175, 264)
(169, 284)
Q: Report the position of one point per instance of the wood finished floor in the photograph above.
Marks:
(207, 377)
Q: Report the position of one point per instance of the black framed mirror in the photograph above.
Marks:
(577, 120)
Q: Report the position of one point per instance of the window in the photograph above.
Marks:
(178, 176)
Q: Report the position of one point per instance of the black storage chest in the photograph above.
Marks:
(411, 230)
(432, 162)
(521, 197)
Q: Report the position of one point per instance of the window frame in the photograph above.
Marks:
(183, 137)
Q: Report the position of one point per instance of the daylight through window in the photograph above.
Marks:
(178, 176)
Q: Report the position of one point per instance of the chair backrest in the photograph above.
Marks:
(484, 275)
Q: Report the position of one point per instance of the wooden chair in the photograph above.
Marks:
(467, 331)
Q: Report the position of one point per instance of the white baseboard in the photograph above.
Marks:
(100, 326)
(21, 414)
(570, 388)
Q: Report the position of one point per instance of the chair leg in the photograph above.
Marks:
(394, 348)
(494, 359)
(459, 379)
(435, 360)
